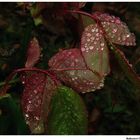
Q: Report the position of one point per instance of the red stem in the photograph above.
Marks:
(83, 13)
(49, 73)
(91, 16)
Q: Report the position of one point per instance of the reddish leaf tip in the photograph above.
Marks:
(33, 53)
(116, 31)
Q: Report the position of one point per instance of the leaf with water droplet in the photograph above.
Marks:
(33, 53)
(38, 89)
(94, 50)
(67, 115)
(32, 100)
(116, 31)
(70, 67)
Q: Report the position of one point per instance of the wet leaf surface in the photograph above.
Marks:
(70, 67)
(67, 114)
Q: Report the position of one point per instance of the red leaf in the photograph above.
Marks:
(33, 53)
(38, 89)
(116, 31)
(94, 49)
(71, 68)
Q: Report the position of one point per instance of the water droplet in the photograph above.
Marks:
(112, 36)
(35, 91)
(97, 34)
(82, 49)
(114, 30)
(76, 60)
(29, 107)
(92, 30)
(69, 52)
(102, 49)
(128, 35)
(103, 23)
(91, 47)
(118, 21)
(130, 65)
(96, 30)
(119, 38)
(106, 29)
(91, 83)
(26, 115)
(37, 118)
(112, 20)
(127, 43)
(92, 38)
(102, 44)
(85, 72)
(73, 79)
(88, 34)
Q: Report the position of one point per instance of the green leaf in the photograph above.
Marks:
(35, 14)
(95, 50)
(67, 113)
(87, 21)
(11, 119)
(38, 21)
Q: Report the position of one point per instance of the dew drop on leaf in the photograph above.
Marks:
(116, 31)
(78, 76)
(97, 58)
(35, 100)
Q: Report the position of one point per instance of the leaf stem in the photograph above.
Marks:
(49, 73)
(83, 13)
